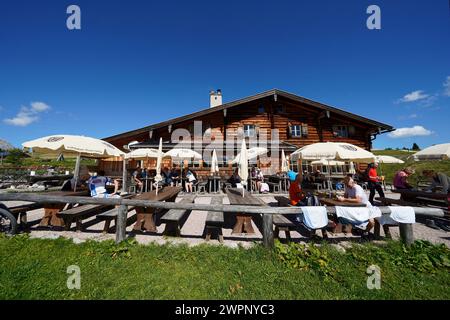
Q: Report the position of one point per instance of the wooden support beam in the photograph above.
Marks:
(268, 230)
(121, 223)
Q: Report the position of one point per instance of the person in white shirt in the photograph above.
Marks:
(355, 193)
(190, 180)
(97, 186)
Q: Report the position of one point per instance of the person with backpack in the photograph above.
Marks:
(374, 182)
(296, 195)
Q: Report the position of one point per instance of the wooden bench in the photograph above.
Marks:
(110, 215)
(20, 212)
(173, 218)
(214, 220)
(282, 223)
(389, 201)
(77, 214)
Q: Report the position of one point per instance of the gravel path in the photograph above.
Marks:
(192, 232)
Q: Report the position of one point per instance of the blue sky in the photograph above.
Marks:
(134, 63)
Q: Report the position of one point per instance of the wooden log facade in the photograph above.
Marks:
(298, 121)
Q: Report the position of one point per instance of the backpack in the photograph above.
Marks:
(312, 200)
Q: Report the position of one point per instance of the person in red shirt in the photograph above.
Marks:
(296, 195)
(374, 182)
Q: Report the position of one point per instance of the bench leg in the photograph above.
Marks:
(208, 234)
(172, 228)
(220, 235)
(276, 233)
(79, 225)
(288, 234)
(387, 232)
(107, 225)
(376, 229)
(67, 224)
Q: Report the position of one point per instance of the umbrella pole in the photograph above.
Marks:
(77, 171)
(124, 175)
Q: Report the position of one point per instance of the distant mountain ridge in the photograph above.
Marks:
(5, 145)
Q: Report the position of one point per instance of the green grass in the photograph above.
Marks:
(36, 269)
(389, 170)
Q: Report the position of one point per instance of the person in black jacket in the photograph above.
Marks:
(235, 178)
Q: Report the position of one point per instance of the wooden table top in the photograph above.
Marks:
(163, 194)
(84, 192)
(416, 193)
(333, 202)
(235, 197)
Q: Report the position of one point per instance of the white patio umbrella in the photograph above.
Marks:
(72, 145)
(243, 165)
(181, 154)
(388, 159)
(436, 152)
(143, 153)
(214, 163)
(158, 177)
(284, 162)
(333, 151)
(252, 153)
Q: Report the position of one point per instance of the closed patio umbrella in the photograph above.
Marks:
(284, 162)
(158, 177)
(243, 165)
(72, 145)
(214, 163)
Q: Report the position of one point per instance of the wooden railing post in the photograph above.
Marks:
(121, 223)
(406, 233)
(268, 230)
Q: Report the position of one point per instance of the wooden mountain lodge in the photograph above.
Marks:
(297, 121)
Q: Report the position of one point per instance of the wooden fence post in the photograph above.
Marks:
(121, 223)
(406, 233)
(268, 230)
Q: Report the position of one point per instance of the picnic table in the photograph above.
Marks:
(243, 221)
(52, 209)
(334, 202)
(412, 194)
(145, 215)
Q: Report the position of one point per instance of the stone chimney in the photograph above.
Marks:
(215, 98)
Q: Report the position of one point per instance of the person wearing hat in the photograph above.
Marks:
(401, 178)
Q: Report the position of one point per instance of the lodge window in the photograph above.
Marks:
(340, 131)
(298, 131)
(249, 130)
(261, 109)
(280, 109)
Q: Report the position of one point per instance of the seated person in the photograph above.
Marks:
(97, 186)
(174, 175)
(401, 178)
(136, 177)
(296, 195)
(167, 176)
(191, 179)
(355, 193)
(439, 180)
(235, 178)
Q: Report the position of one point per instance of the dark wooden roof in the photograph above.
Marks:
(273, 92)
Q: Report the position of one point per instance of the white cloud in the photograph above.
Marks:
(410, 132)
(27, 115)
(447, 87)
(414, 96)
(39, 106)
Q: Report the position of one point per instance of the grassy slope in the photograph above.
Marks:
(36, 269)
(389, 170)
